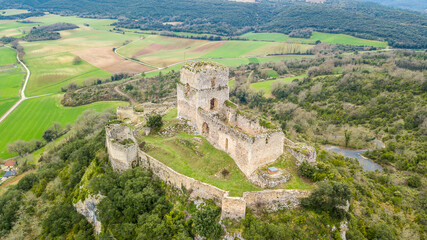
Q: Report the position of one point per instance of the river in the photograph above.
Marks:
(366, 164)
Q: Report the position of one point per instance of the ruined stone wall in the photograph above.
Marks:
(249, 152)
(233, 207)
(273, 200)
(301, 152)
(196, 188)
(129, 113)
(121, 156)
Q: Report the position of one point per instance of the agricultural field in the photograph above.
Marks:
(323, 37)
(11, 76)
(34, 116)
(9, 12)
(266, 85)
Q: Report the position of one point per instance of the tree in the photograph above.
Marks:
(414, 181)
(206, 224)
(20, 147)
(329, 197)
(77, 60)
(347, 136)
(155, 122)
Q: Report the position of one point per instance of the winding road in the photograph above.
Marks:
(21, 92)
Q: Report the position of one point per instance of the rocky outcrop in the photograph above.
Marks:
(301, 152)
(88, 209)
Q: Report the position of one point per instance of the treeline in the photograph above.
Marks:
(21, 15)
(48, 32)
(400, 28)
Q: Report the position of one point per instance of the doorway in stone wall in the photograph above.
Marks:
(205, 129)
(213, 104)
(226, 144)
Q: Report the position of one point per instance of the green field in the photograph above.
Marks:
(6, 104)
(266, 85)
(323, 37)
(7, 56)
(34, 116)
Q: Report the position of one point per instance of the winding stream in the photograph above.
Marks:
(366, 164)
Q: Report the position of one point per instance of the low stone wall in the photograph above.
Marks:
(196, 188)
(273, 200)
(232, 207)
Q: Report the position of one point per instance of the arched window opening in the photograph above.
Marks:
(213, 104)
(266, 140)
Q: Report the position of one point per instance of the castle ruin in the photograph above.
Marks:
(203, 99)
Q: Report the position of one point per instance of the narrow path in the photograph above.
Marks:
(117, 89)
(21, 92)
(133, 60)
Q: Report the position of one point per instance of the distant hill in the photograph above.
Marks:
(417, 5)
(400, 28)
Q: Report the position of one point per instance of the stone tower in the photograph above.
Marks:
(202, 85)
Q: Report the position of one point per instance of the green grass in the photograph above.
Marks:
(11, 79)
(232, 49)
(200, 161)
(7, 104)
(34, 116)
(276, 37)
(266, 85)
(7, 56)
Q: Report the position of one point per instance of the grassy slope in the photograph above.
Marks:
(34, 116)
(266, 85)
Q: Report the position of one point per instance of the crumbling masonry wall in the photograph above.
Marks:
(202, 97)
(122, 156)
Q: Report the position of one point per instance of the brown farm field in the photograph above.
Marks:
(107, 60)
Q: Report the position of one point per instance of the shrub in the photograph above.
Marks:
(206, 224)
(155, 122)
(329, 197)
(414, 181)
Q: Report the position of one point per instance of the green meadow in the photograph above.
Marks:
(266, 85)
(34, 116)
(6, 104)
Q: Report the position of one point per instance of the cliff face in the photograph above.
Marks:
(88, 209)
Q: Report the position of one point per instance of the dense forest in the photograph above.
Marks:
(400, 28)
